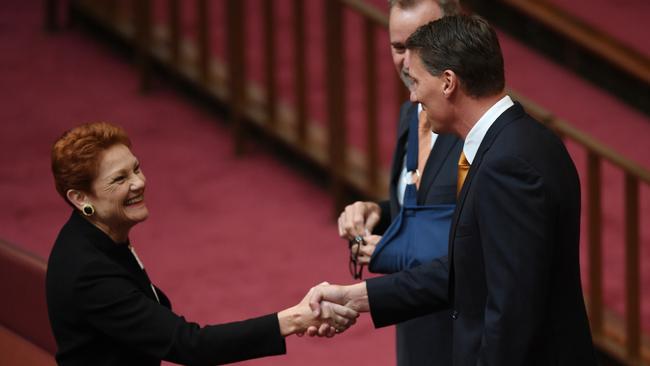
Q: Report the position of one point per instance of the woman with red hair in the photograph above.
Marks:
(103, 308)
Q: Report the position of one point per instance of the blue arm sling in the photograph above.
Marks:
(418, 234)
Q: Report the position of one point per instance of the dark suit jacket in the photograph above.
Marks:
(427, 339)
(513, 275)
(104, 312)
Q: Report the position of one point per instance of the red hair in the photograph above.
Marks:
(76, 154)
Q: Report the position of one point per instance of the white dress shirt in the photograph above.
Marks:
(405, 176)
(477, 133)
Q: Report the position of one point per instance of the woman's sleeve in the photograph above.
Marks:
(115, 306)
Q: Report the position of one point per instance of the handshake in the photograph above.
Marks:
(325, 311)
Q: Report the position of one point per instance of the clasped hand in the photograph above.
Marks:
(329, 301)
(332, 318)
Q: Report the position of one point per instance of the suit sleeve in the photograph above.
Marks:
(116, 307)
(384, 218)
(511, 210)
(409, 294)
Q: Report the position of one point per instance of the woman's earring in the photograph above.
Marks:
(88, 209)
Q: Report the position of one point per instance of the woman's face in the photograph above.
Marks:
(118, 191)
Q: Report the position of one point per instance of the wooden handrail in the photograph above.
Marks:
(591, 38)
(367, 11)
(589, 143)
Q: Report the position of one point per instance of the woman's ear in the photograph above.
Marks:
(77, 198)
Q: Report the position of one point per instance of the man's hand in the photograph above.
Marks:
(358, 219)
(365, 249)
(354, 297)
(333, 318)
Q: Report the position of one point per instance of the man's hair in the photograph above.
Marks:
(468, 46)
(447, 7)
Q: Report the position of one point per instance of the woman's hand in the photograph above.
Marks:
(333, 318)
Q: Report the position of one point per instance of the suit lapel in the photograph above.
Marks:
(510, 115)
(441, 149)
(398, 158)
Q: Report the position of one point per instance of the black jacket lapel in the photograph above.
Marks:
(510, 115)
(441, 150)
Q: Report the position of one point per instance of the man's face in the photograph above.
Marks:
(402, 23)
(428, 90)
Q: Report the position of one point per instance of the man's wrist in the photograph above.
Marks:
(356, 297)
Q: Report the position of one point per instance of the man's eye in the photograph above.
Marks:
(118, 179)
(399, 48)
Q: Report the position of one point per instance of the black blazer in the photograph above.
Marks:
(103, 311)
(427, 339)
(513, 274)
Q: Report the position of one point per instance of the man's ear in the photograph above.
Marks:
(449, 83)
(77, 198)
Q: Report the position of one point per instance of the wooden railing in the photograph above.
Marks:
(597, 41)
(583, 48)
(622, 338)
(327, 147)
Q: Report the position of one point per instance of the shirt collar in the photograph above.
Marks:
(477, 133)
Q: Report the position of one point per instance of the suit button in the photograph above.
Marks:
(454, 314)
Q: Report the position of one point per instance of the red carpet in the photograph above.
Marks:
(233, 238)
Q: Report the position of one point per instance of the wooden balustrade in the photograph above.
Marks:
(328, 146)
(174, 16)
(142, 25)
(236, 68)
(631, 351)
(301, 71)
(335, 82)
(594, 238)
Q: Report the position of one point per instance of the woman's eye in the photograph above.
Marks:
(119, 179)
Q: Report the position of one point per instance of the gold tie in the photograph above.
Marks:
(424, 144)
(463, 168)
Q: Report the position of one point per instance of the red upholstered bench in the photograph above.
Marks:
(25, 336)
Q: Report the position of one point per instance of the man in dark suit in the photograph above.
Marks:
(425, 340)
(512, 278)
